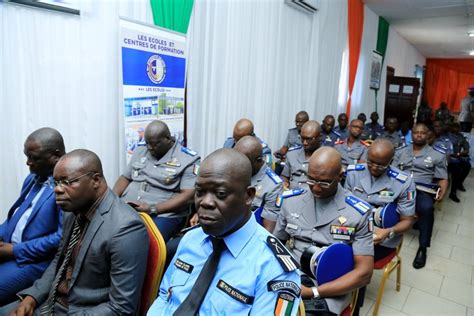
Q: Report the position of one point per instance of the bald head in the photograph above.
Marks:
(82, 160)
(301, 118)
(229, 163)
(48, 139)
(158, 138)
(251, 147)
(325, 166)
(243, 127)
(310, 136)
(157, 129)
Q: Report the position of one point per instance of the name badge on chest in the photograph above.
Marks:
(342, 232)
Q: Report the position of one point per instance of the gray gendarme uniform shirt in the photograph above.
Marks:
(443, 143)
(391, 186)
(351, 155)
(156, 181)
(293, 138)
(427, 165)
(305, 220)
(467, 105)
(268, 186)
(296, 166)
(394, 138)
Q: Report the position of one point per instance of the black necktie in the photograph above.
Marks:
(193, 301)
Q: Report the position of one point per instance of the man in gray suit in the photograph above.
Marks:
(101, 262)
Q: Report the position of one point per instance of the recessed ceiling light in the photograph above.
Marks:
(471, 53)
(470, 34)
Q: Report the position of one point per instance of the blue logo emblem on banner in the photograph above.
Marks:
(156, 69)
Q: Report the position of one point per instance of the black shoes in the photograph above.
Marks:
(454, 198)
(462, 188)
(420, 258)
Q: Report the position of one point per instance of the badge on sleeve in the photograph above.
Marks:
(411, 195)
(284, 304)
(284, 285)
(284, 257)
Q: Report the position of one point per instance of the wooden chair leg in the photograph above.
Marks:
(385, 275)
(399, 274)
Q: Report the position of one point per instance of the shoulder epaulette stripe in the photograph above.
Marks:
(188, 151)
(272, 175)
(359, 205)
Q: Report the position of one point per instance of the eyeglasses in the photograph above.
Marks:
(68, 182)
(322, 184)
(309, 139)
(377, 166)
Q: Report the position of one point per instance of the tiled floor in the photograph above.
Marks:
(445, 286)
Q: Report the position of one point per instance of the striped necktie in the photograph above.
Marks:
(48, 308)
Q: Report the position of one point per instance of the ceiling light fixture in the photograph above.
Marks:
(470, 34)
(471, 53)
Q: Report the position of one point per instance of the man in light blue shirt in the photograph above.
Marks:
(254, 273)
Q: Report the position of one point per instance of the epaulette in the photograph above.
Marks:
(357, 167)
(287, 194)
(397, 175)
(188, 151)
(337, 133)
(439, 149)
(264, 145)
(359, 205)
(295, 147)
(275, 178)
(283, 255)
(401, 147)
(365, 143)
(339, 142)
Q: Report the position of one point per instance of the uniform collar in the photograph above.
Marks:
(236, 241)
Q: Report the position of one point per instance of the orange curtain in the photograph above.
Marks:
(355, 24)
(447, 80)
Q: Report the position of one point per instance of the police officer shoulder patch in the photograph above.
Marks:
(188, 151)
(439, 149)
(357, 167)
(397, 175)
(287, 194)
(296, 147)
(359, 205)
(284, 285)
(284, 257)
(275, 178)
(284, 304)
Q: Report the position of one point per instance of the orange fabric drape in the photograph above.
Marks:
(355, 24)
(447, 80)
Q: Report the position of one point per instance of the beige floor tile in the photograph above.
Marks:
(470, 312)
(455, 239)
(446, 226)
(368, 303)
(459, 292)
(391, 297)
(463, 220)
(437, 248)
(421, 303)
(448, 268)
(466, 231)
(422, 279)
(450, 209)
(385, 310)
(462, 255)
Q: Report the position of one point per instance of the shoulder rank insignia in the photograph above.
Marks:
(339, 142)
(365, 143)
(288, 193)
(295, 147)
(275, 178)
(401, 147)
(397, 175)
(188, 151)
(359, 205)
(357, 167)
(286, 260)
(336, 133)
(439, 149)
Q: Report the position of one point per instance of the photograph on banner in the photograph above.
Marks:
(153, 81)
(376, 70)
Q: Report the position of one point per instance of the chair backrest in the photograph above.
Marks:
(155, 264)
(301, 310)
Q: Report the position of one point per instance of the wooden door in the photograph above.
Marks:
(400, 98)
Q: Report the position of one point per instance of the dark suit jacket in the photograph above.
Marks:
(43, 230)
(109, 270)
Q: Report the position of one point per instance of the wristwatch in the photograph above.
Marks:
(153, 211)
(315, 292)
(391, 234)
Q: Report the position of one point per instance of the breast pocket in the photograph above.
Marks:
(137, 168)
(167, 175)
(223, 304)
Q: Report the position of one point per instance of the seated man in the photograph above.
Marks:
(30, 235)
(379, 184)
(160, 179)
(320, 216)
(459, 164)
(101, 262)
(230, 265)
(427, 166)
(293, 138)
(405, 133)
(391, 132)
(328, 134)
(296, 166)
(374, 129)
(342, 129)
(267, 184)
(442, 140)
(352, 150)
